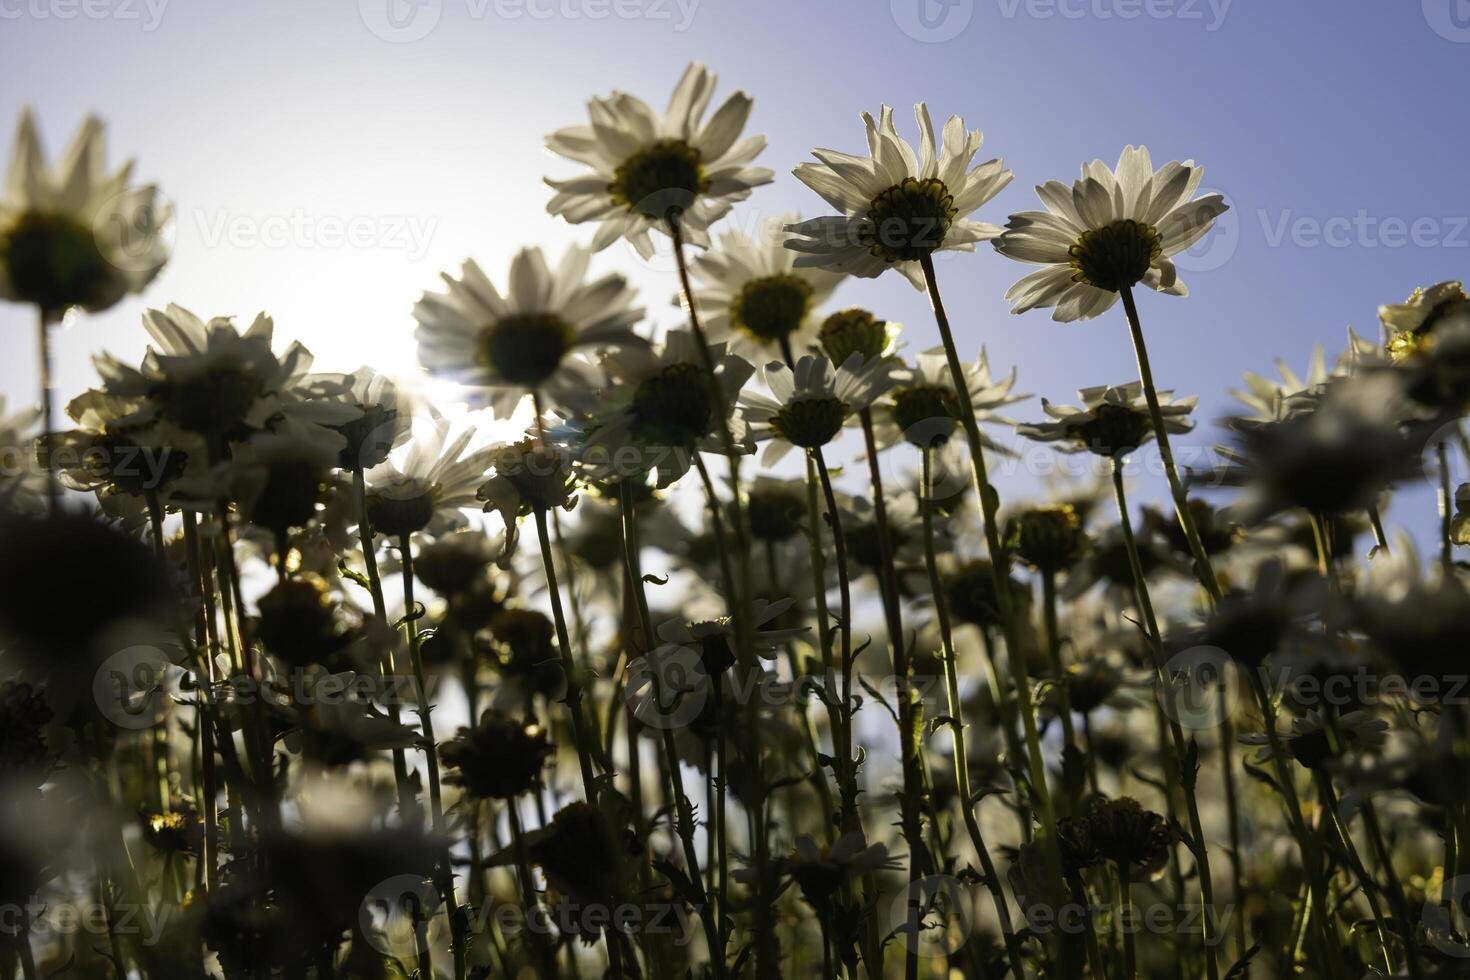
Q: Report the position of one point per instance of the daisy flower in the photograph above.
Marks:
(647, 170)
(657, 410)
(754, 296)
(73, 234)
(530, 477)
(924, 409)
(1272, 399)
(385, 421)
(1113, 421)
(1113, 228)
(811, 403)
(530, 339)
(714, 639)
(897, 207)
(209, 379)
(1313, 743)
(431, 485)
(856, 330)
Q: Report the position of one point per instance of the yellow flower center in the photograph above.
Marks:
(927, 414)
(851, 331)
(811, 422)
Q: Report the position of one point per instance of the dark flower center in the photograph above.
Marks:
(395, 514)
(909, 220)
(672, 408)
(851, 331)
(927, 414)
(211, 403)
(772, 307)
(1113, 430)
(660, 180)
(811, 422)
(53, 261)
(525, 348)
(774, 515)
(369, 437)
(1115, 256)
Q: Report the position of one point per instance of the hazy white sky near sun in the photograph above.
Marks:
(328, 159)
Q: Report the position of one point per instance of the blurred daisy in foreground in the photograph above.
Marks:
(74, 234)
(647, 170)
(1111, 229)
(808, 406)
(530, 339)
(897, 207)
(754, 297)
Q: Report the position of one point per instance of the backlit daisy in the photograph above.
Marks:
(646, 169)
(923, 408)
(532, 337)
(73, 234)
(754, 297)
(897, 207)
(431, 485)
(1111, 229)
(808, 406)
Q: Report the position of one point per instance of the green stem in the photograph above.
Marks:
(1202, 566)
(990, 507)
(569, 665)
(43, 354)
(431, 756)
(968, 803)
(1187, 776)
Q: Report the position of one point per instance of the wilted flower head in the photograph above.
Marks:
(1131, 837)
(300, 621)
(1113, 228)
(498, 759)
(1112, 422)
(586, 854)
(453, 563)
(897, 207)
(530, 339)
(809, 406)
(646, 168)
(73, 234)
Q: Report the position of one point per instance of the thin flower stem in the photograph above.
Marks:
(1125, 891)
(535, 921)
(989, 508)
(1355, 862)
(1326, 567)
(850, 821)
(683, 808)
(968, 803)
(1202, 566)
(908, 708)
(1376, 520)
(1187, 773)
(1394, 887)
(1054, 656)
(767, 950)
(366, 538)
(431, 755)
(23, 944)
(569, 665)
(1446, 506)
(43, 354)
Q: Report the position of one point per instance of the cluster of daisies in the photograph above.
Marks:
(302, 676)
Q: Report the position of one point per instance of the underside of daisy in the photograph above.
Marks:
(1112, 229)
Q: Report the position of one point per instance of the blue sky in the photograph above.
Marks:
(328, 159)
